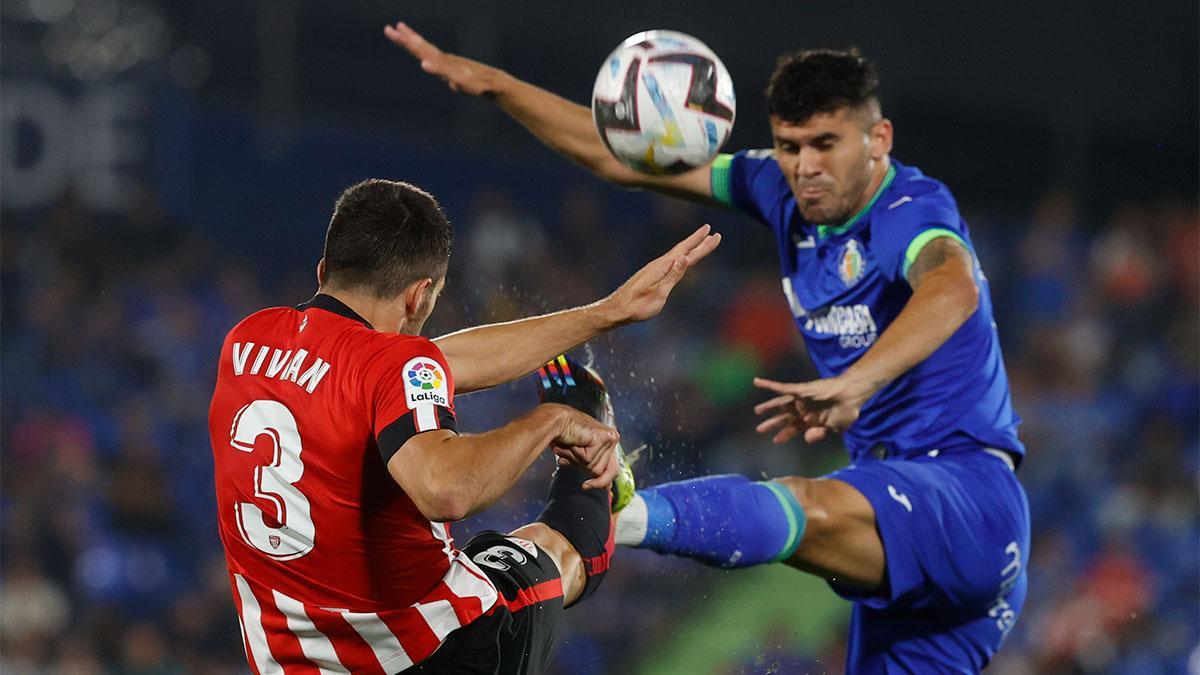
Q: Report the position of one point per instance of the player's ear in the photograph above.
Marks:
(321, 272)
(881, 139)
(414, 295)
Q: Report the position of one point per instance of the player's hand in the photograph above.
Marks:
(463, 75)
(586, 443)
(812, 409)
(643, 295)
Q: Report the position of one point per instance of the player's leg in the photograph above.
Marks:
(576, 527)
(822, 526)
(562, 553)
(955, 531)
(841, 540)
(576, 531)
(949, 534)
(899, 640)
(540, 568)
(521, 632)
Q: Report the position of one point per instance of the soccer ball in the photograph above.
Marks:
(663, 102)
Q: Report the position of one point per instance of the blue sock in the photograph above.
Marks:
(726, 521)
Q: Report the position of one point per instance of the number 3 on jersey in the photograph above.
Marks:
(274, 483)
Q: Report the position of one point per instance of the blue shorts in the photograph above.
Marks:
(955, 531)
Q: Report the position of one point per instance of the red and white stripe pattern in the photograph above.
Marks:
(284, 635)
(425, 417)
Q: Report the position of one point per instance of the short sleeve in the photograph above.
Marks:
(905, 227)
(749, 181)
(413, 393)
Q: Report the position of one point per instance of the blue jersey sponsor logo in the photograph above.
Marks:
(852, 324)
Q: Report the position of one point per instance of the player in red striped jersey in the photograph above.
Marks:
(338, 468)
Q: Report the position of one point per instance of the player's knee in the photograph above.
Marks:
(561, 551)
(570, 565)
(802, 489)
(584, 521)
(812, 495)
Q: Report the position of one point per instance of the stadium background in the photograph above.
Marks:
(169, 167)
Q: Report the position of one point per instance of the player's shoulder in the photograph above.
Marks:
(758, 163)
(413, 360)
(757, 154)
(914, 198)
(264, 320)
(398, 346)
(379, 355)
(756, 178)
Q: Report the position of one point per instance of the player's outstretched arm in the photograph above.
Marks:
(450, 476)
(486, 356)
(563, 125)
(944, 297)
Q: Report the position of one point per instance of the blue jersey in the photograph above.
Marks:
(846, 283)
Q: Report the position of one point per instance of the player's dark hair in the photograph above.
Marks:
(383, 236)
(814, 81)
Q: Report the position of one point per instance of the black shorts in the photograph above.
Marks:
(521, 632)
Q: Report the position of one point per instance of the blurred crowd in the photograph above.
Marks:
(109, 557)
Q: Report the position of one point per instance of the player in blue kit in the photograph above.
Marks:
(927, 531)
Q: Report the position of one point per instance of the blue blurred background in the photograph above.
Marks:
(169, 167)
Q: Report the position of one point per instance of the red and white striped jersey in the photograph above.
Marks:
(334, 569)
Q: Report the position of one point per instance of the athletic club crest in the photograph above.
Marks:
(850, 263)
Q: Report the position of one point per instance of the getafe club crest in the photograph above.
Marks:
(851, 263)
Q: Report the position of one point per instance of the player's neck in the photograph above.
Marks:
(878, 175)
(384, 316)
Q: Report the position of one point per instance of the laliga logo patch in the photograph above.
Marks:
(425, 374)
(424, 382)
(851, 263)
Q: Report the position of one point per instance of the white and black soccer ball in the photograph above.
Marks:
(663, 102)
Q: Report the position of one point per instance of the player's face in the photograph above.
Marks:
(828, 162)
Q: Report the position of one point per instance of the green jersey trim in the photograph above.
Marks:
(919, 242)
(825, 230)
(722, 190)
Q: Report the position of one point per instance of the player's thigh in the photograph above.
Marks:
(840, 538)
(895, 640)
(954, 530)
(521, 634)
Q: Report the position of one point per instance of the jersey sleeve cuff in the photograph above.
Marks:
(919, 242)
(425, 417)
(722, 189)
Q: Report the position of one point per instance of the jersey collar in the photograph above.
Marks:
(332, 304)
(825, 230)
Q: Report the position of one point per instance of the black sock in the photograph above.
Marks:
(584, 517)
